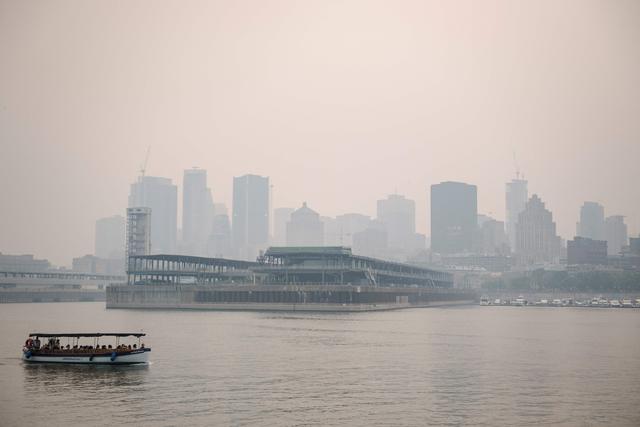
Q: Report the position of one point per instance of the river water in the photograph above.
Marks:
(447, 366)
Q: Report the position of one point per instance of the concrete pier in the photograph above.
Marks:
(345, 298)
(22, 295)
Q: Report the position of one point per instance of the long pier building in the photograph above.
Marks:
(284, 278)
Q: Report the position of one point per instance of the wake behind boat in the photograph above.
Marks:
(85, 348)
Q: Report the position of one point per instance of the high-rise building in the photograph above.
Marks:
(281, 217)
(250, 222)
(536, 238)
(161, 196)
(349, 224)
(634, 245)
(220, 240)
(591, 224)
(493, 239)
(398, 215)
(454, 211)
(332, 235)
(110, 237)
(517, 195)
(371, 242)
(305, 228)
(616, 234)
(138, 232)
(197, 211)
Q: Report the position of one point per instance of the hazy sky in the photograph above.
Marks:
(339, 102)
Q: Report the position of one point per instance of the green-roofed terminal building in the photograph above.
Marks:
(283, 278)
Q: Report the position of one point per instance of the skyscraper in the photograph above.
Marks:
(371, 242)
(197, 211)
(454, 211)
(536, 239)
(305, 228)
(250, 222)
(220, 240)
(110, 237)
(616, 234)
(161, 196)
(591, 224)
(398, 215)
(349, 224)
(281, 217)
(493, 239)
(517, 195)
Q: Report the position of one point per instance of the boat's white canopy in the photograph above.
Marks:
(90, 334)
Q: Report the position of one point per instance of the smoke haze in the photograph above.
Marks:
(339, 103)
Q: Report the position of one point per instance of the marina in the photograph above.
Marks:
(595, 302)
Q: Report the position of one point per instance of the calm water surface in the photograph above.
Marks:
(447, 366)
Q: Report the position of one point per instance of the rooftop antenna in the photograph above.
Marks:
(143, 166)
(515, 163)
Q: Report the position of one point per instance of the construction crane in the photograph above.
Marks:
(143, 166)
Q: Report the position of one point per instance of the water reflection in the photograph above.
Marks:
(56, 378)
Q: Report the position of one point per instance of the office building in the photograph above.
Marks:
(581, 250)
(536, 238)
(398, 216)
(281, 217)
(250, 220)
(110, 237)
(23, 263)
(492, 238)
(616, 234)
(161, 196)
(219, 245)
(91, 264)
(332, 236)
(591, 224)
(197, 211)
(371, 242)
(349, 224)
(305, 228)
(517, 195)
(454, 211)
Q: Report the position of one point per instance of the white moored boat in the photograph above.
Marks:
(84, 348)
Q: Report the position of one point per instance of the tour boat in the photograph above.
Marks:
(90, 351)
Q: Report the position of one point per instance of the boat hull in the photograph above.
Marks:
(130, 358)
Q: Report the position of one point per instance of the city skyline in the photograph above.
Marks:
(339, 105)
(180, 216)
